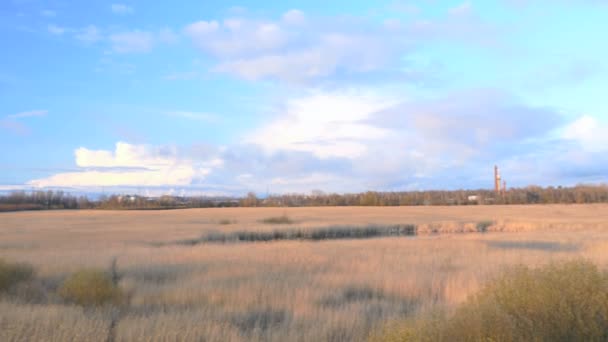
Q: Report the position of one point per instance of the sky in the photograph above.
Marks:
(221, 98)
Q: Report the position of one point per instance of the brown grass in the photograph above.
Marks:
(287, 290)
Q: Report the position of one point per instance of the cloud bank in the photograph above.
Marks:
(351, 141)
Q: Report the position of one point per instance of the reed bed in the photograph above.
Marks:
(296, 290)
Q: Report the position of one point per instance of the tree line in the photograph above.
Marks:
(49, 200)
(527, 195)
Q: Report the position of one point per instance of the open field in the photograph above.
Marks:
(335, 290)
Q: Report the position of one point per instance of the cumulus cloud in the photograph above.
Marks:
(326, 125)
(346, 141)
(130, 165)
(390, 144)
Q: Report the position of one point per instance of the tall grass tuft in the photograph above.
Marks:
(90, 287)
(13, 273)
(558, 302)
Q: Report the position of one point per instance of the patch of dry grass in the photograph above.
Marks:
(331, 290)
(566, 301)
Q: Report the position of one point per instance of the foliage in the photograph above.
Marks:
(558, 302)
(41, 200)
(13, 273)
(90, 287)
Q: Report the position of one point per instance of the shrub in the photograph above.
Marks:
(13, 273)
(226, 221)
(90, 288)
(284, 219)
(558, 302)
(483, 226)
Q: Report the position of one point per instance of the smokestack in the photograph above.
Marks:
(496, 179)
(504, 186)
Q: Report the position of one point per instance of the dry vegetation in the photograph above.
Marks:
(330, 290)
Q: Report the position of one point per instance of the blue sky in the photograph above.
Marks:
(291, 96)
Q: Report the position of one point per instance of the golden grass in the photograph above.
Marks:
(287, 290)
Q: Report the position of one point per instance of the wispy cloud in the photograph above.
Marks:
(301, 49)
(56, 30)
(89, 34)
(132, 41)
(12, 123)
(121, 9)
(28, 114)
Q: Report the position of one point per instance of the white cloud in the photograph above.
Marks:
(89, 34)
(300, 49)
(589, 132)
(357, 140)
(130, 165)
(28, 114)
(235, 37)
(132, 42)
(121, 9)
(293, 49)
(326, 125)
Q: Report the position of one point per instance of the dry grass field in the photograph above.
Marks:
(333, 290)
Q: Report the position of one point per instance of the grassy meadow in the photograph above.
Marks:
(344, 288)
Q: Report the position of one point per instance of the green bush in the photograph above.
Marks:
(13, 273)
(90, 288)
(558, 302)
